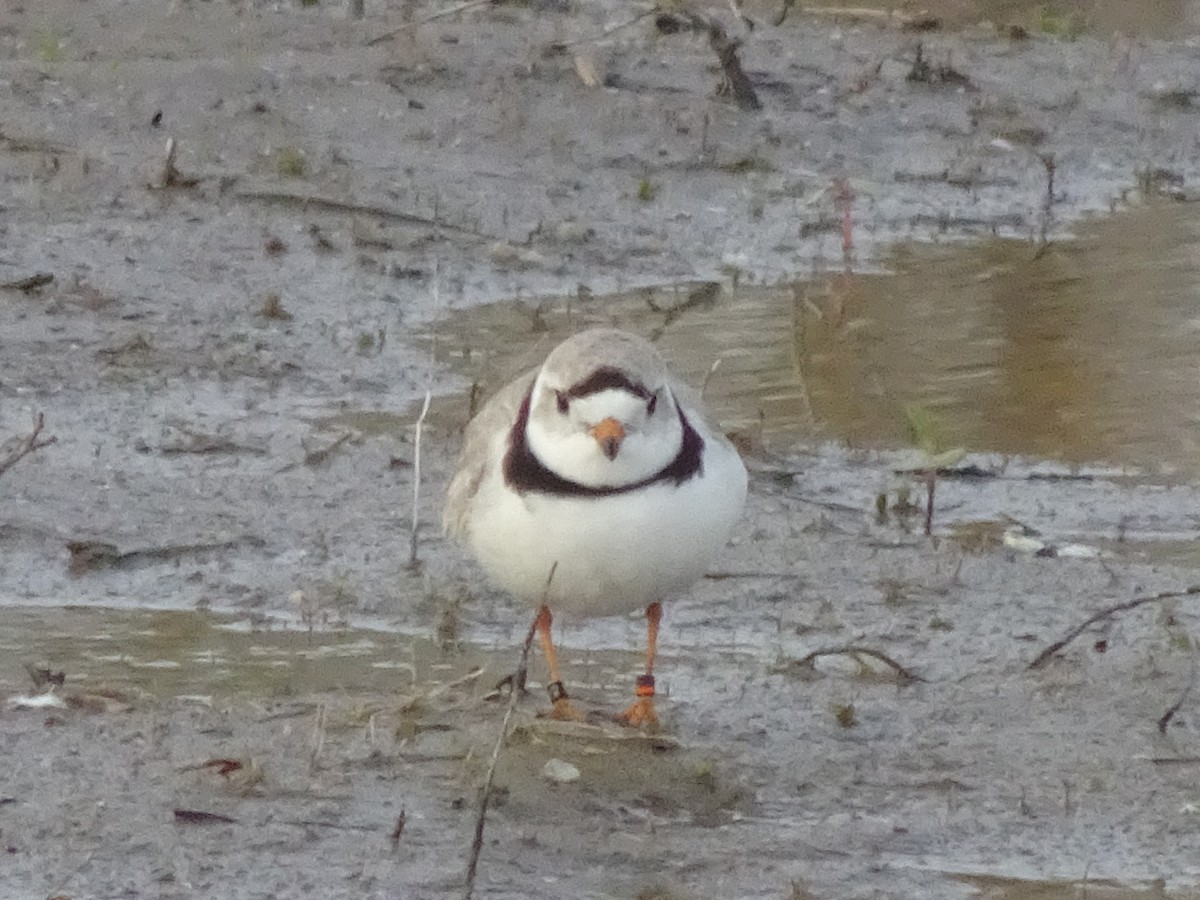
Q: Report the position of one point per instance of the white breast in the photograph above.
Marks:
(615, 553)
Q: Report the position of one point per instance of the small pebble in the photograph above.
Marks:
(559, 771)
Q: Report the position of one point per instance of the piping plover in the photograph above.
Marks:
(594, 486)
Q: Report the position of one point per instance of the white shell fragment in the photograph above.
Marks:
(560, 771)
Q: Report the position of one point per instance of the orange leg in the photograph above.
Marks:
(561, 707)
(642, 710)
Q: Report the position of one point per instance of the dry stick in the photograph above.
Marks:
(1107, 613)
(1165, 719)
(440, 14)
(332, 204)
(739, 83)
(29, 283)
(606, 33)
(851, 12)
(29, 445)
(930, 486)
(712, 370)
(481, 817)
(1049, 164)
(416, 515)
(169, 175)
(902, 672)
(318, 736)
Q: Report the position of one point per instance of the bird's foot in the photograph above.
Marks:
(642, 711)
(640, 714)
(560, 706)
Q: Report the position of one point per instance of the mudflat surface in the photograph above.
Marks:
(231, 367)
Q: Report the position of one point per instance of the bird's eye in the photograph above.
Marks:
(562, 402)
(650, 406)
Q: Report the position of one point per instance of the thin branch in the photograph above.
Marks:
(318, 736)
(902, 672)
(29, 283)
(28, 445)
(432, 17)
(560, 46)
(1165, 719)
(1108, 613)
(169, 175)
(332, 204)
(739, 85)
(485, 799)
(712, 370)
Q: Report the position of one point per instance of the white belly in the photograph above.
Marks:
(613, 554)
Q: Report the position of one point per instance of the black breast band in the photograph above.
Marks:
(524, 472)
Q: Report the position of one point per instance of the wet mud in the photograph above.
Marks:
(221, 676)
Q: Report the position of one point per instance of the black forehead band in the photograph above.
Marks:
(604, 379)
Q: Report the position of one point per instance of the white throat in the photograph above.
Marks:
(563, 442)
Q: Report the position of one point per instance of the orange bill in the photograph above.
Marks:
(608, 434)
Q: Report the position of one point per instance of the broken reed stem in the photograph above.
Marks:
(712, 370)
(1107, 613)
(930, 486)
(432, 17)
(485, 799)
(1165, 719)
(607, 32)
(318, 736)
(738, 83)
(416, 512)
(28, 445)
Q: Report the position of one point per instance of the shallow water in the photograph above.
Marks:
(1162, 19)
(1081, 352)
(169, 653)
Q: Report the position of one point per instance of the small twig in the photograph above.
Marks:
(560, 46)
(200, 817)
(473, 675)
(416, 512)
(399, 829)
(1108, 613)
(28, 445)
(930, 487)
(712, 370)
(1165, 719)
(323, 454)
(29, 283)
(481, 816)
(902, 672)
(735, 76)
(862, 13)
(432, 17)
(730, 575)
(1050, 165)
(843, 198)
(318, 736)
(169, 175)
(319, 823)
(331, 204)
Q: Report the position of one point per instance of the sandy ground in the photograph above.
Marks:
(230, 366)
